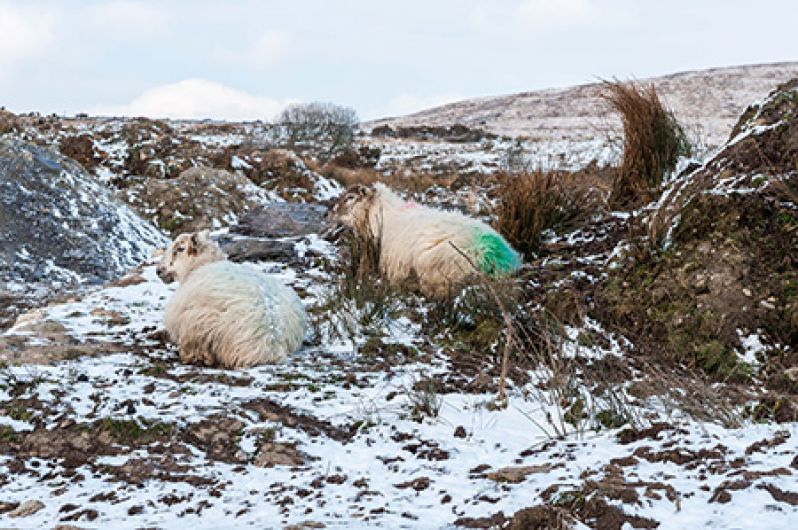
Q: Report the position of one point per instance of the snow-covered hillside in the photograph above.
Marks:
(707, 102)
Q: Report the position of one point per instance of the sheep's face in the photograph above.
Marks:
(353, 206)
(186, 253)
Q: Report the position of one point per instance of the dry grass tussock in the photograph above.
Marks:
(574, 401)
(533, 202)
(652, 144)
(408, 181)
(360, 300)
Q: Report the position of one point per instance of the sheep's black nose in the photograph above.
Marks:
(163, 275)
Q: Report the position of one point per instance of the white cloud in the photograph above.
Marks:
(408, 104)
(548, 14)
(554, 15)
(24, 32)
(126, 19)
(262, 52)
(197, 99)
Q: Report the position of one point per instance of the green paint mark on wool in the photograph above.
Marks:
(495, 256)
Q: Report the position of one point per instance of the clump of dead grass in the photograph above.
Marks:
(359, 301)
(408, 181)
(652, 144)
(360, 282)
(533, 202)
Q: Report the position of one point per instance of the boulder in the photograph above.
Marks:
(256, 249)
(60, 227)
(283, 220)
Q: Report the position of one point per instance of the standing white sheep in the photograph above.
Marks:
(441, 248)
(227, 314)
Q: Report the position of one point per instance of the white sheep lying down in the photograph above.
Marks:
(227, 314)
(443, 249)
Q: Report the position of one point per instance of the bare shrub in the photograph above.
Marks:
(317, 122)
(653, 142)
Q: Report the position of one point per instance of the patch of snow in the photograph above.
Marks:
(752, 347)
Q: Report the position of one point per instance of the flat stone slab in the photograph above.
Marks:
(255, 249)
(284, 219)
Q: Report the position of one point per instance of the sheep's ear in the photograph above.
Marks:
(193, 244)
(365, 191)
(357, 190)
(199, 240)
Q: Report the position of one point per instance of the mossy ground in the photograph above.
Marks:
(731, 270)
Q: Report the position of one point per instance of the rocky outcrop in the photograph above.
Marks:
(720, 292)
(60, 227)
(201, 197)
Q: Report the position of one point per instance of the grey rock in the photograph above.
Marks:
(283, 220)
(60, 226)
(252, 249)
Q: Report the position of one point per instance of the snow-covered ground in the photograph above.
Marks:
(328, 439)
(376, 421)
(489, 156)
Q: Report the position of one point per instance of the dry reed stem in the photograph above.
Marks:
(502, 397)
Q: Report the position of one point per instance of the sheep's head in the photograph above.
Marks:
(186, 253)
(353, 206)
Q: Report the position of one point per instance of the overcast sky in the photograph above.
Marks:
(247, 59)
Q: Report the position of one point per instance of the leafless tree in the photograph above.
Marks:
(320, 123)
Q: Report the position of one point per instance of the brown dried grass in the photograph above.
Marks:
(410, 181)
(532, 202)
(652, 144)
